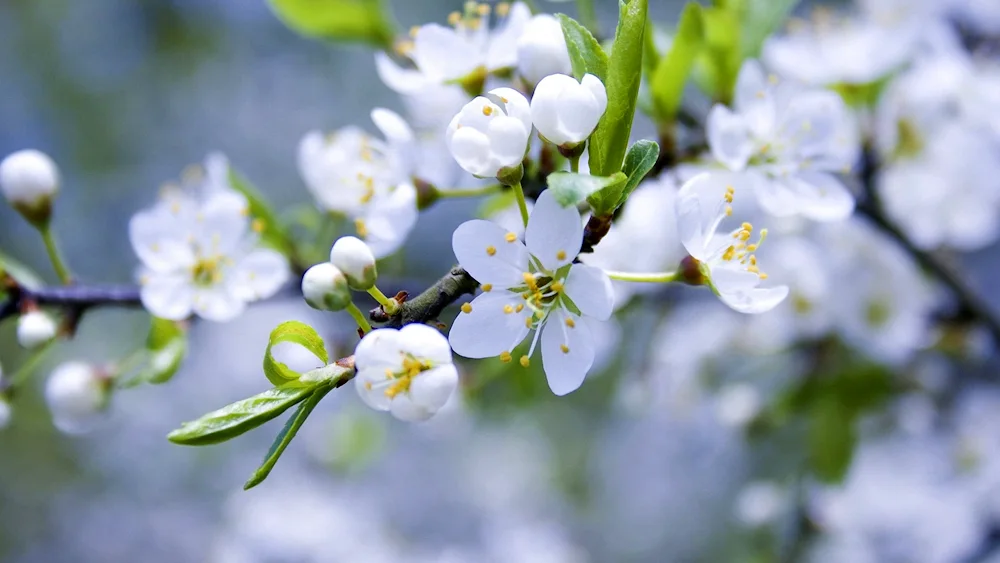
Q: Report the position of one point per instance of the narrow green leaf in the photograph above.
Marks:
(285, 437)
(340, 20)
(272, 231)
(299, 333)
(570, 188)
(585, 53)
(672, 71)
(761, 18)
(235, 419)
(610, 140)
(638, 162)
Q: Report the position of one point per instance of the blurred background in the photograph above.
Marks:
(124, 95)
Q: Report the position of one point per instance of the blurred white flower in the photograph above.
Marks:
(566, 111)
(355, 260)
(491, 133)
(532, 286)
(408, 372)
(790, 141)
(541, 49)
(760, 503)
(367, 179)
(728, 261)
(77, 395)
(736, 404)
(199, 255)
(29, 179)
(35, 328)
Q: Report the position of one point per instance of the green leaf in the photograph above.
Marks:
(585, 53)
(610, 140)
(341, 20)
(164, 362)
(721, 58)
(832, 437)
(760, 19)
(496, 203)
(286, 436)
(672, 72)
(162, 333)
(239, 417)
(299, 333)
(638, 162)
(272, 232)
(570, 188)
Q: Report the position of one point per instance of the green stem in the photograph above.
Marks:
(574, 164)
(470, 192)
(658, 277)
(359, 318)
(521, 204)
(587, 16)
(31, 364)
(58, 263)
(391, 306)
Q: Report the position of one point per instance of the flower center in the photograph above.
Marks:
(207, 271)
(541, 293)
(399, 381)
(742, 250)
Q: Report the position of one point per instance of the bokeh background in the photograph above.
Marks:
(124, 95)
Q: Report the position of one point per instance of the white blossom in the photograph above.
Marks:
(491, 133)
(737, 404)
(728, 261)
(408, 372)
(760, 503)
(353, 257)
(566, 111)
(35, 328)
(77, 394)
(790, 141)
(541, 49)
(29, 179)
(200, 255)
(532, 286)
(324, 287)
(367, 179)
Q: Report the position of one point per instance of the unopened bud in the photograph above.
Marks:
(35, 328)
(325, 288)
(29, 179)
(77, 393)
(353, 257)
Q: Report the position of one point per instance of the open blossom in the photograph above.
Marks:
(790, 141)
(532, 286)
(491, 133)
(728, 260)
(467, 48)
(541, 49)
(408, 372)
(566, 111)
(200, 255)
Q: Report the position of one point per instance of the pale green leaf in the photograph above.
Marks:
(585, 53)
(570, 188)
(298, 333)
(340, 20)
(672, 71)
(239, 417)
(638, 162)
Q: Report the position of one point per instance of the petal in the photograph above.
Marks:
(160, 240)
(473, 241)
(168, 296)
(777, 197)
(402, 80)
(405, 409)
(729, 277)
(508, 140)
(379, 349)
(390, 219)
(545, 107)
(425, 342)
(751, 85)
(258, 275)
(555, 233)
(222, 222)
(591, 291)
(567, 353)
(443, 54)
(502, 52)
(432, 388)
(392, 126)
(487, 330)
(365, 384)
(579, 112)
(596, 88)
(217, 304)
(728, 138)
(701, 207)
(822, 197)
(515, 105)
(471, 149)
(756, 300)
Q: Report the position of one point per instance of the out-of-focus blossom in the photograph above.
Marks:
(35, 328)
(77, 394)
(541, 49)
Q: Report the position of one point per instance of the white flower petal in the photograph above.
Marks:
(579, 114)
(443, 54)
(591, 291)
(729, 138)
(822, 197)
(487, 330)
(217, 304)
(160, 240)
(403, 80)
(432, 388)
(365, 383)
(545, 108)
(508, 141)
(471, 149)
(258, 275)
(393, 127)
(567, 353)
(405, 409)
(502, 52)
(515, 105)
(168, 296)
(777, 197)
(222, 223)
(473, 242)
(425, 342)
(701, 207)
(756, 300)
(378, 350)
(389, 220)
(597, 89)
(555, 233)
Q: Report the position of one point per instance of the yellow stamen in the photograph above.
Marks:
(502, 9)
(487, 110)
(483, 9)
(487, 287)
(454, 18)
(530, 281)
(525, 361)
(561, 255)
(368, 385)
(414, 30)
(507, 309)
(527, 322)
(491, 250)
(564, 348)
(570, 323)
(257, 225)
(510, 237)
(466, 308)
(361, 228)
(557, 286)
(519, 308)
(505, 356)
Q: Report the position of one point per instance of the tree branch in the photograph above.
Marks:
(429, 304)
(75, 298)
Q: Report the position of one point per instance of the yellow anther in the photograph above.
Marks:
(244, 212)
(747, 227)
(487, 287)
(525, 361)
(564, 348)
(361, 228)
(539, 315)
(466, 308)
(519, 308)
(389, 374)
(763, 235)
(366, 154)
(526, 295)
(502, 9)
(487, 110)
(414, 30)
(258, 225)
(527, 322)
(570, 323)
(760, 94)
(491, 250)
(772, 78)
(510, 237)
(504, 100)
(753, 259)
(483, 9)
(729, 211)
(753, 269)
(763, 276)
(368, 385)
(505, 356)
(507, 309)
(561, 255)
(405, 47)
(155, 247)
(743, 235)
(143, 279)
(454, 18)
(751, 247)
(529, 280)
(729, 254)
(557, 286)
(175, 208)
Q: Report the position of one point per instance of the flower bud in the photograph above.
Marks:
(35, 328)
(353, 257)
(77, 393)
(491, 132)
(325, 288)
(29, 180)
(541, 49)
(566, 111)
